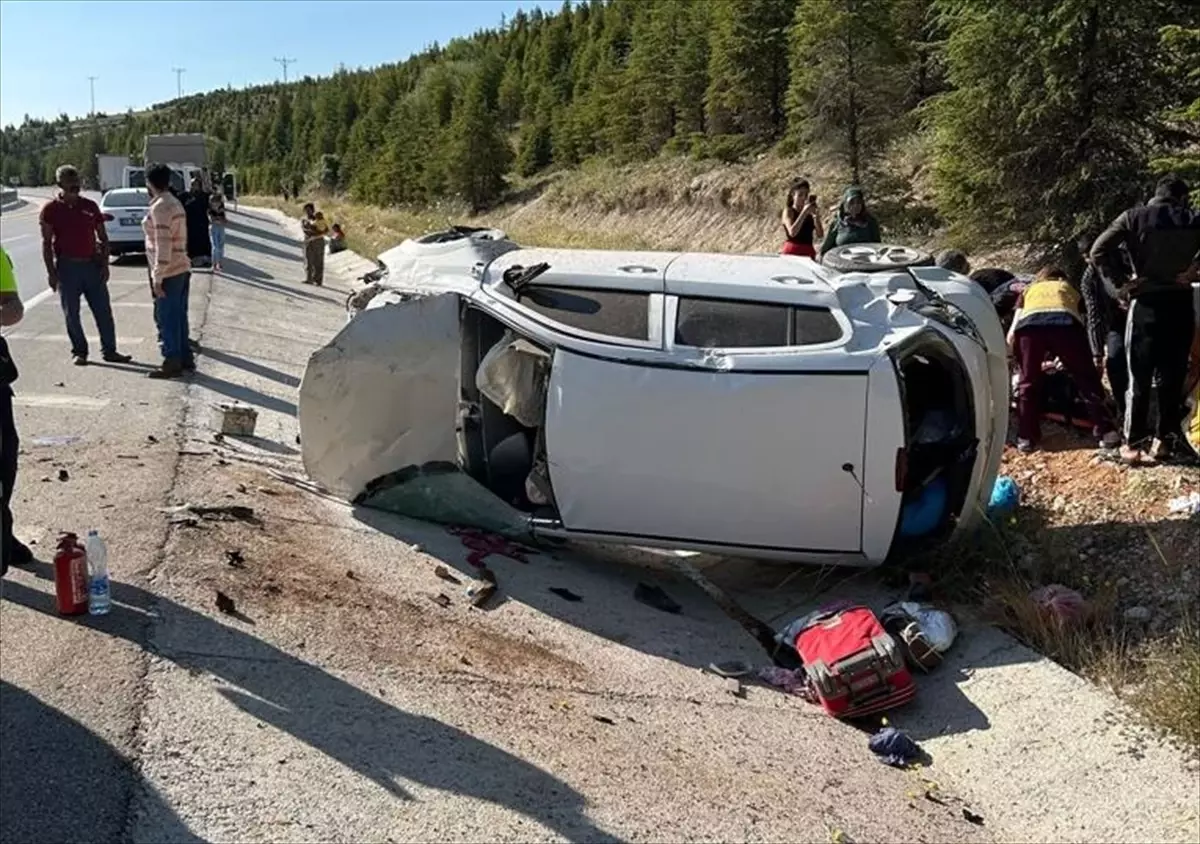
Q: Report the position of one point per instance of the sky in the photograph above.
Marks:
(218, 43)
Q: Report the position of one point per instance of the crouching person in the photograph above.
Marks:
(1048, 325)
(165, 227)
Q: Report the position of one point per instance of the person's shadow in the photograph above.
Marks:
(374, 738)
(59, 781)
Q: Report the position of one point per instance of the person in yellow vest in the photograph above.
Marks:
(12, 551)
(1048, 328)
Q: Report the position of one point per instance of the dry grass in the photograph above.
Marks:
(1167, 691)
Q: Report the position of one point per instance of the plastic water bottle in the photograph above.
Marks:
(99, 598)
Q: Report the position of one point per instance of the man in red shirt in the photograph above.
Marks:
(75, 249)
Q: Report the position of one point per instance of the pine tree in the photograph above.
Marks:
(478, 156)
(846, 90)
(1053, 112)
(748, 68)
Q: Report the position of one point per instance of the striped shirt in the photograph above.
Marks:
(165, 228)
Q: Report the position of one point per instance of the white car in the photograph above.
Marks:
(748, 405)
(122, 210)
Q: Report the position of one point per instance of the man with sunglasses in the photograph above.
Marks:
(75, 249)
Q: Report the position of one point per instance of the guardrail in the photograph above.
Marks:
(9, 198)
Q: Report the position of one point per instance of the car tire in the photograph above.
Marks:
(874, 258)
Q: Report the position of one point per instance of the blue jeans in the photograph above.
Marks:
(217, 235)
(171, 316)
(82, 279)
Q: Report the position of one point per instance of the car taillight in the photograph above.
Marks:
(108, 218)
(901, 469)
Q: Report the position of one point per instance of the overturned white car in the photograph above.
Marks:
(750, 405)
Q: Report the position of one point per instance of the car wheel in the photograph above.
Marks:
(874, 257)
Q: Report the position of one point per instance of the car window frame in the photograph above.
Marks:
(671, 320)
(654, 314)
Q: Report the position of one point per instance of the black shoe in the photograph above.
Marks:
(189, 365)
(170, 368)
(19, 554)
(79, 360)
(117, 357)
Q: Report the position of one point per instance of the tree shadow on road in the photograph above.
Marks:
(265, 234)
(246, 395)
(59, 781)
(292, 255)
(376, 739)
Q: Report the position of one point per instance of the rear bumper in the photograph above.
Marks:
(126, 247)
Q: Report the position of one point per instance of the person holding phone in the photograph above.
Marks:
(801, 221)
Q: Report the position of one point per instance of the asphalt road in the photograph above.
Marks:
(21, 239)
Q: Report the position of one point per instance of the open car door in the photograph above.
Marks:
(382, 395)
(229, 187)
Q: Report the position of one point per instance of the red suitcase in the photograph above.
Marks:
(854, 666)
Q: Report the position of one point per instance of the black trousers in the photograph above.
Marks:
(1158, 339)
(1116, 365)
(9, 447)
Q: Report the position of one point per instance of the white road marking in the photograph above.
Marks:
(14, 237)
(58, 400)
(39, 298)
(63, 338)
(133, 304)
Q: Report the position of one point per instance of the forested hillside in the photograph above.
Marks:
(1040, 117)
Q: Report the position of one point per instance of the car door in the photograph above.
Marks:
(382, 395)
(740, 456)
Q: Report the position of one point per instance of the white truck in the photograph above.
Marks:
(187, 156)
(110, 170)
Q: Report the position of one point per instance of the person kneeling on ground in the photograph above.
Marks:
(853, 223)
(1048, 325)
(165, 228)
(337, 239)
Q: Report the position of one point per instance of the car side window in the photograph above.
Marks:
(723, 324)
(615, 313)
(720, 324)
(814, 325)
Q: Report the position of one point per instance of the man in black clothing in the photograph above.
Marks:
(1162, 240)
(1105, 317)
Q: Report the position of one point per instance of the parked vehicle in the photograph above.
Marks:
(749, 405)
(122, 210)
(111, 171)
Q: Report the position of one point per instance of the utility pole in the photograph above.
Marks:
(284, 62)
(179, 71)
(92, 84)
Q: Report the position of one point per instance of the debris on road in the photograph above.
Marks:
(1188, 504)
(225, 604)
(733, 668)
(793, 681)
(565, 594)
(234, 419)
(1060, 602)
(894, 747)
(351, 575)
(219, 513)
(235, 559)
(972, 817)
(150, 438)
(441, 599)
(63, 475)
(57, 439)
(445, 574)
(923, 632)
(654, 596)
(479, 591)
(734, 686)
(1006, 497)
(604, 719)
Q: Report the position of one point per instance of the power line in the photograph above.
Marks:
(92, 85)
(284, 62)
(179, 71)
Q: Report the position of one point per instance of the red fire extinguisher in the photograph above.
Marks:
(70, 576)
